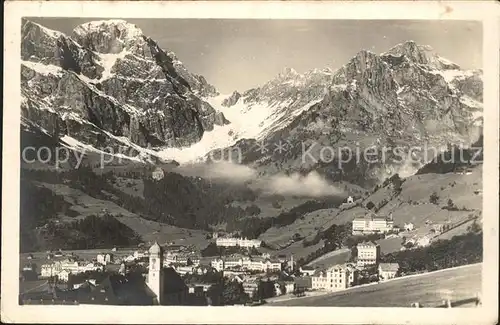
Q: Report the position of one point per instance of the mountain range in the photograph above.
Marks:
(108, 86)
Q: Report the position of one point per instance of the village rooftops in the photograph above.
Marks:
(389, 267)
(342, 267)
(373, 217)
(368, 244)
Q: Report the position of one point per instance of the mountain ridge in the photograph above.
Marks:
(408, 95)
(132, 88)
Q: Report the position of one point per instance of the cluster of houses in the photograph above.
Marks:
(178, 258)
(63, 269)
(238, 262)
(371, 224)
(237, 242)
(343, 276)
(368, 255)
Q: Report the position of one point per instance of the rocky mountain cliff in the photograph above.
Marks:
(108, 84)
(408, 96)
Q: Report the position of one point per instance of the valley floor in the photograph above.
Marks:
(430, 289)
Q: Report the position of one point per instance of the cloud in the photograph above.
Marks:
(310, 185)
(222, 171)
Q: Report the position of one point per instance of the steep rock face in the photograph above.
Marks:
(406, 98)
(40, 44)
(116, 82)
(231, 100)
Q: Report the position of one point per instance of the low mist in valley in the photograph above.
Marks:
(310, 185)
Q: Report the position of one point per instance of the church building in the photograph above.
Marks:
(166, 286)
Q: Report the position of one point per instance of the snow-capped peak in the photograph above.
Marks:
(129, 30)
(288, 73)
(108, 36)
(421, 54)
(47, 31)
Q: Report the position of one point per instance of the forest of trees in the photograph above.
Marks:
(187, 202)
(459, 250)
(254, 227)
(213, 250)
(87, 233)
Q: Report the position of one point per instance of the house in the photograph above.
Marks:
(29, 267)
(202, 269)
(409, 226)
(251, 286)
(63, 276)
(371, 224)
(319, 281)
(140, 254)
(387, 270)
(182, 269)
(303, 284)
(129, 258)
(240, 262)
(307, 270)
(123, 269)
(368, 254)
(104, 258)
(272, 265)
(278, 291)
(158, 174)
(424, 241)
(241, 242)
(438, 228)
(289, 286)
(337, 277)
(218, 264)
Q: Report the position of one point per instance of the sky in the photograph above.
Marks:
(243, 54)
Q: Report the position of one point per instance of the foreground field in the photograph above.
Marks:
(428, 289)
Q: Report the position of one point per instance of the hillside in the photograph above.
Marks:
(175, 208)
(109, 87)
(459, 284)
(411, 204)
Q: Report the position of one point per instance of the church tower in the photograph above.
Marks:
(155, 278)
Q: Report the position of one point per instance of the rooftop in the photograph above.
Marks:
(389, 267)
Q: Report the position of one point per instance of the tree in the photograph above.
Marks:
(210, 250)
(434, 198)
(450, 205)
(370, 205)
(233, 293)
(474, 228)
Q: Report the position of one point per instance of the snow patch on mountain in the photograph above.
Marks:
(450, 75)
(248, 121)
(42, 68)
(108, 61)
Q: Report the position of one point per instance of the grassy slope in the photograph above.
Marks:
(411, 205)
(428, 289)
(149, 230)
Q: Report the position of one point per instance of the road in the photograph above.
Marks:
(428, 289)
